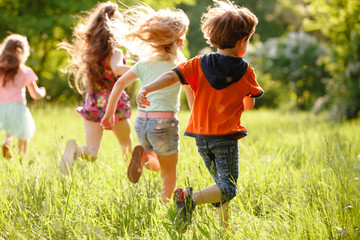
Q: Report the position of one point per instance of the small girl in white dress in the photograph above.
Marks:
(15, 77)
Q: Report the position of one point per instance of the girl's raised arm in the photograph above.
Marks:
(116, 63)
(35, 91)
(108, 120)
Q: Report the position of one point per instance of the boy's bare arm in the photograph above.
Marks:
(165, 80)
(249, 102)
(190, 96)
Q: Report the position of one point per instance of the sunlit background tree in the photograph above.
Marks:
(305, 53)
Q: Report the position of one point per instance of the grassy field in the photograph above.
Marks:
(299, 179)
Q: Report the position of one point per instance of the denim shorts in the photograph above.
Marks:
(221, 158)
(160, 135)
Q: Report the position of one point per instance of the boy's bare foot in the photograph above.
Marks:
(68, 158)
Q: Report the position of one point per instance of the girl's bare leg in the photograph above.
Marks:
(122, 132)
(93, 135)
(168, 175)
(8, 139)
(22, 146)
(151, 162)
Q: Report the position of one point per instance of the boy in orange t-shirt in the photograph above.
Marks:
(224, 85)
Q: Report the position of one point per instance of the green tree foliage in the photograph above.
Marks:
(274, 20)
(46, 23)
(339, 21)
(159, 4)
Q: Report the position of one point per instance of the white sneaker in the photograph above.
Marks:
(68, 158)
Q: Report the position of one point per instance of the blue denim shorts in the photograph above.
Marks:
(160, 135)
(221, 158)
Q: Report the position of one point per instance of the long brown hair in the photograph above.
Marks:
(91, 45)
(14, 51)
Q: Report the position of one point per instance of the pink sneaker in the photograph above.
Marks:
(135, 167)
(68, 158)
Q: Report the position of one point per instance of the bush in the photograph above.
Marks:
(295, 62)
(275, 91)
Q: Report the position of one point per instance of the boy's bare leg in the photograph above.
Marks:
(208, 195)
(224, 214)
(213, 195)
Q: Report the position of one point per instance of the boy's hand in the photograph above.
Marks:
(141, 99)
(108, 122)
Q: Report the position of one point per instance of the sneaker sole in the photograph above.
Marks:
(68, 158)
(135, 168)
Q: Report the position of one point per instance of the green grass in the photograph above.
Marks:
(299, 179)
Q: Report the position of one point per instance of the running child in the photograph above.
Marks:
(15, 77)
(156, 37)
(96, 65)
(224, 85)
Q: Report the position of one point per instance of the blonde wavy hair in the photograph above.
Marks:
(151, 34)
(14, 51)
(91, 44)
(226, 23)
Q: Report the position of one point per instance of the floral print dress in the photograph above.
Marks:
(94, 104)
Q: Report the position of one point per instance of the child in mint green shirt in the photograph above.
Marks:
(164, 100)
(157, 128)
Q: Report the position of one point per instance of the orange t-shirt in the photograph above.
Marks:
(216, 112)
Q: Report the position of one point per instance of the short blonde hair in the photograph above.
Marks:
(226, 23)
(151, 34)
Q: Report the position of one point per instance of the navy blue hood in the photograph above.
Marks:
(221, 71)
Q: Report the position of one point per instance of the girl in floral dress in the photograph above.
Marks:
(96, 65)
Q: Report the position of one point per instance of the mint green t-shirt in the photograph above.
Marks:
(163, 100)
